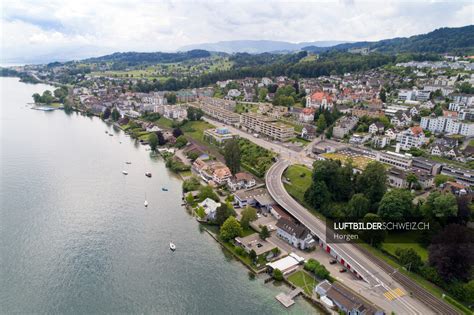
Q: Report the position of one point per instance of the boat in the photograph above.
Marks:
(111, 135)
(124, 172)
(106, 131)
(148, 174)
(145, 203)
(172, 246)
(164, 189)
(128, 162)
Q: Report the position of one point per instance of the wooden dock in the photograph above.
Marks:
(287, 299)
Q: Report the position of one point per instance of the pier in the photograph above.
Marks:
(287, 299)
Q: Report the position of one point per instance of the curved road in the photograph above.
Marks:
(371, 270)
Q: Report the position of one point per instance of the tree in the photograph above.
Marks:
(153, 140)
(232, 156)
(373, 237)
(181, 141)
(409, 258)
(253, 255)
(37, 98)
(107, 113)
(412, 180)
(177, 132)
(441, 179)
(452, 252)
(440, 205)
(321, 272)
(264, 232)
(262, 94)
(318, 195)
(372, 182)
(249, 214)
(358, 206)
(383, 95)
(161, 138)
(171, 98)
(194, 114)
(223, 212)
(396, 205)
(115, 114)
(321, 123)
(207, 192)
(230, 229)
(469, 290)
(277, 274)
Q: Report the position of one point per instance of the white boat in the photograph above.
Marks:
(124, 172)
(145, 203)
(172, 246)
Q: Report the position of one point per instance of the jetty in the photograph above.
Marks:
(288, 299)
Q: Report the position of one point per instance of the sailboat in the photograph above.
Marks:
(146, 202)
(124, 172)
(172, 246)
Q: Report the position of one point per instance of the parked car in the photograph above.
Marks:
(343, 270)
(333, 261)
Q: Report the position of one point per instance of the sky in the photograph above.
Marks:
(45, 30)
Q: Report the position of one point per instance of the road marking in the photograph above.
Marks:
(394, 294)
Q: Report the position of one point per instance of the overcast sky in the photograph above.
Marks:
(66, 29)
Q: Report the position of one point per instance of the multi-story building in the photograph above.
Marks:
(219, 136)
(447, 124)
(344, 126)
(319, 100)
(424, 164)
(218, 102)
(402, 161)
(221, 114)
(267, 126)
(411, 138)
(461, 175)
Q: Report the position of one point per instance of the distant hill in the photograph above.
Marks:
(442, 40)
(256, 46)
(133, 58)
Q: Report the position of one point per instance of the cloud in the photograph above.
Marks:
(67, 29)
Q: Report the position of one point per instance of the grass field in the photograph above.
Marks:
(195, 129)
(299, 183)
(404, 240)
(359, 162)
(303, 280)
(164, 123)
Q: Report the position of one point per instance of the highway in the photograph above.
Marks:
(379, 276)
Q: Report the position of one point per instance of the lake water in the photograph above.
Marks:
(76, 238)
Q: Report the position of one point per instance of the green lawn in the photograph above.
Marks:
(299, 183)
(404, 240)
(164, 123)
(303, 280)
(247, 232)
(195, 129)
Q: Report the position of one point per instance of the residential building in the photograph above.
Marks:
(381, 142)
(447, 124)
(413, 137)
(219, 136)
(245, 198)
(266, 125)
(221, 114)
(175, 112)
(218, 102)
(344, 126)
(210, 207)
(241, 181)
(376, 128)
(348, 302)
(372, 113)
(308, 132)
(414, 95)
(360, 138)
(424, 164)
(307, 115)
(295, 234)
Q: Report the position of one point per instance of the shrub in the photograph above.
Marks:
(277, 275)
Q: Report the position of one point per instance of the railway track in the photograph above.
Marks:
(435, 303)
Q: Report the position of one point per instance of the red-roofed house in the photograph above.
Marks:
(307, 115)
(319, 100)
(413, 137)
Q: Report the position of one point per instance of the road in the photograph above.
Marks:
(379, 278)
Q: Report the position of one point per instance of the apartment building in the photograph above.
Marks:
(218, 102)
(344, 126)
(462, 176)
(447, 124)
(267, 126)
(221, 114)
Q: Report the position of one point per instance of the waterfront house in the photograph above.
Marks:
(241, 181)
(295, 234)
(210, 207)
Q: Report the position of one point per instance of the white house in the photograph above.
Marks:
(411, 138)
(210, 208)
(376, 127)
(296, 235)
(234, 93)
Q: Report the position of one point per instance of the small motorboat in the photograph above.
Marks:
(106, 131)
(164, 189)
(148, 174)
(128, 162)
(111, 135)
(124, 172)
(172, 246)
(145, 203)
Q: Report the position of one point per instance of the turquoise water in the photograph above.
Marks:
(76, 238)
